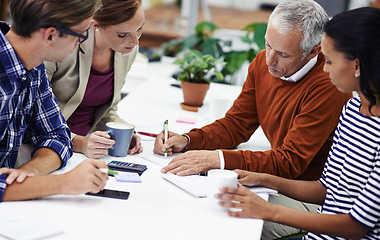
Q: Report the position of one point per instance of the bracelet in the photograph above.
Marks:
(188, 142)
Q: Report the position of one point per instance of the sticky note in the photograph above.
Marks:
(186, 120)
(128, 177)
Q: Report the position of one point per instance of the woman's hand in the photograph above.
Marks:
(93, 146)
(251, 205)
(135, 146)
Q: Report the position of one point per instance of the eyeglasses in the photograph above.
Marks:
(81, 37)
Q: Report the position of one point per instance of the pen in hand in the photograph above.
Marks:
(166, 133)
(111, 172)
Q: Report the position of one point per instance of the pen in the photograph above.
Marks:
(166, 133)
(110, 172)
(147, 134)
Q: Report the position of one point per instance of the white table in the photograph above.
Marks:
(156, 209)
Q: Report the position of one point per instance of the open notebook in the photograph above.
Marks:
(158, 159)
(196, 185)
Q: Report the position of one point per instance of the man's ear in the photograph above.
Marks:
(49, 34)
(314, 52)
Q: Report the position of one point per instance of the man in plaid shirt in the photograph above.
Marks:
(41, 30)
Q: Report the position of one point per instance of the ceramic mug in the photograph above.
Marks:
(122, 133)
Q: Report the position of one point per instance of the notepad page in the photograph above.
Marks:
(193, 184)
(196, 185)
(158, 159)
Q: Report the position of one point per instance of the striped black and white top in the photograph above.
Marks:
(352, 171)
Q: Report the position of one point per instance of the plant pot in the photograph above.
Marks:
(194, 93)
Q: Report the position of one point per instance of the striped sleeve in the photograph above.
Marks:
(366, 209)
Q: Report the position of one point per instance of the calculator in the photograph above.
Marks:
(126, 166)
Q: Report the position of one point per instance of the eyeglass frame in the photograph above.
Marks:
(80, 37)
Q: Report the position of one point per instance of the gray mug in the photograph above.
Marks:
(122, 133)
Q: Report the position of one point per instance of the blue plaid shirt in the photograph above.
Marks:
(28, 109)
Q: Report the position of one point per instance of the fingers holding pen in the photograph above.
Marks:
(174, 143)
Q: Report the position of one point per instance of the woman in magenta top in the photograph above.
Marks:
(88, 83)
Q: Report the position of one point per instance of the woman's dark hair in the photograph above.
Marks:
(115, 12)
(356, 33)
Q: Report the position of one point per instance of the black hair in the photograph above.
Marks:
(356, 33)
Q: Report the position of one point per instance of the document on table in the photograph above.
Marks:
(196, 185)
(158, 159)
(27, 229)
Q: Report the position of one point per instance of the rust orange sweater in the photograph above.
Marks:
(298, 118)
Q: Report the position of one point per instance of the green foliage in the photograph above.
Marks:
(254, 37)
(203, 41)
(198, 68)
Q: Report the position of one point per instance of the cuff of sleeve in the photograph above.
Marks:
(3, 185)
(221, 158)
(188, 142)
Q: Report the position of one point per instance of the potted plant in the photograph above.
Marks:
(195, 76)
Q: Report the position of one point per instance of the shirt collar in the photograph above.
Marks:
(302, 72)
(12, 63)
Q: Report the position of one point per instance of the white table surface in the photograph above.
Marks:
(156, 209)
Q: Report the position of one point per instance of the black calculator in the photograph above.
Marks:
(126, 167)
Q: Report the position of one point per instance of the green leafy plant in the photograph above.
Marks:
(254, 37)
(198, 68)
(204, 42)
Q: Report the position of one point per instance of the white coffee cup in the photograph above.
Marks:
(218, 107)
(216, 179)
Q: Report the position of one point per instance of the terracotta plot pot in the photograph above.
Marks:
(194, 94)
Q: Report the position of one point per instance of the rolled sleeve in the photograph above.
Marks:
(48, 127)
(3, 186)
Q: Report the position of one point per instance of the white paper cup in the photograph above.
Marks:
(216, 179)
(219, 105)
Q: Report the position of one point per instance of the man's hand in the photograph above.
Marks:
(93, 146)
(15, 174)
(175, 143)
(86, 177)
(135, 146)
(193, 162)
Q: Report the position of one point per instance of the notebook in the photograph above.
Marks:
(196, 185)
(158, 159)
